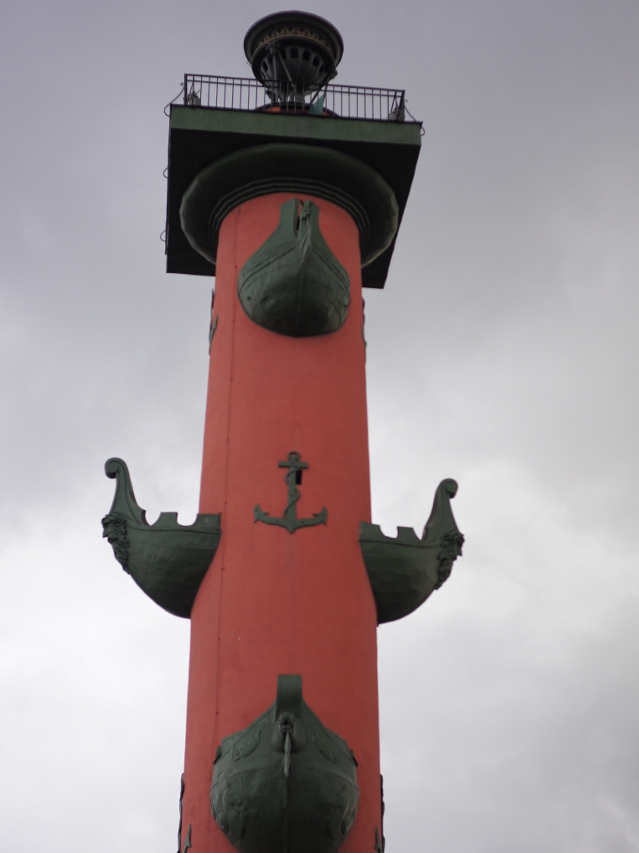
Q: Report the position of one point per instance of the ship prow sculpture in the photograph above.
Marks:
(286, 782)
(405, 570)
(294, 284)
(290, 190)
(167, 560)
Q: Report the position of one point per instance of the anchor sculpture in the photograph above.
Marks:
(289, 518)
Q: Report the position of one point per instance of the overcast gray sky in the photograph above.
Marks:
(502, 353)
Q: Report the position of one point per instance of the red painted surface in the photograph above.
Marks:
(274, 602)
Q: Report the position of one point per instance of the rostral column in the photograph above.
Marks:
(290, 191)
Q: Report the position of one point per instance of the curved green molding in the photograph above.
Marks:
(283, 167)
(293, 284)
(404, 570)
(167, 560)
(285, 784)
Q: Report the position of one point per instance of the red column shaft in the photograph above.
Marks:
(274, 602)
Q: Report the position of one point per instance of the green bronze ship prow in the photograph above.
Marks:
(294, 284)
(405, 570)
(285, 783)
(167, 560)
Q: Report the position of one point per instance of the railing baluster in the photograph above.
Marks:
(245, 94)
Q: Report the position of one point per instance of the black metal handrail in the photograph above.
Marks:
(239, 93)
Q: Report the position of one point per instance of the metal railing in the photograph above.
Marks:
(238, 93)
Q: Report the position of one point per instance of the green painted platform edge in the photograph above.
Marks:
(295, 127)
(380, 145)
(294, 285)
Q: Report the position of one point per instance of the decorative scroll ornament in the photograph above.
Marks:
(167, 560)
(287, 32)
(286, 784)
(293, 48)
(405, 570)
(289, 518)
(294, 284)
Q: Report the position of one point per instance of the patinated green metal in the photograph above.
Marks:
(331, 129)
(167, 560)
(289, 518)
(285, 784)
(379, 844)
(403, 571)
(200, 137)
(187, 842)
(212, 330)
(286, 167)
(381, 794)
(293, 284)
(214, 317)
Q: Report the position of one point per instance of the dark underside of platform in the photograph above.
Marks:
(198, 136)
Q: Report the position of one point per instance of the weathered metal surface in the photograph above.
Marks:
(289, 518)
(201, 138)
(167, 560)
(285, 784)
(293, 284)
(293, 47)
(405, 570)
(286, 167)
